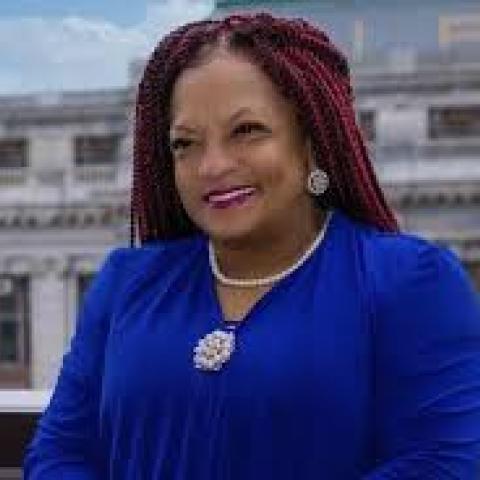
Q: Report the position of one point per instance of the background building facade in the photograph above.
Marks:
(64, 190)
(65, 162)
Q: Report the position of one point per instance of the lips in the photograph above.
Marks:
(228, 197)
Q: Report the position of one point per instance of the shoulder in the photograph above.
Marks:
(385, 245)
(418, 295)
(123, 267)
(397, 263)
(126, 268)
(158, 254)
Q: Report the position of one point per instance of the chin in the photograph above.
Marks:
(230, 233)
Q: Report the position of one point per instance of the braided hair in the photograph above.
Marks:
(307, 69)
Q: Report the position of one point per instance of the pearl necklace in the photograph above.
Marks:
(215, 348)
(260, 282)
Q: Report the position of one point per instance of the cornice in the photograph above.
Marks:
(69, 217)
(435, 194)
(40, 265)
(112, 106)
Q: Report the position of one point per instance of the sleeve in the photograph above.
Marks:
(427, 372)
(65, 444)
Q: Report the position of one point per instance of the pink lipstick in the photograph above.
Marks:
(229, 198)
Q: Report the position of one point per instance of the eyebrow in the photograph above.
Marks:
(182, 127)
(242, 111)
(239, 113)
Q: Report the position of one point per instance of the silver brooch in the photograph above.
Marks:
(214, 350)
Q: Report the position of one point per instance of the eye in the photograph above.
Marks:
(179, 144)
(248, 128)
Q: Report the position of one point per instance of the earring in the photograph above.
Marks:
(317, 182)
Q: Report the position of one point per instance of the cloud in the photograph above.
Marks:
(68, 53)
(171, 13)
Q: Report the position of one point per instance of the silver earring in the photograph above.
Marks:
(317, 182)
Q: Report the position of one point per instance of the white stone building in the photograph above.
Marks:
(65, 165)
(64, 183)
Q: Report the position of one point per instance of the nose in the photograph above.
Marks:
(215, 162)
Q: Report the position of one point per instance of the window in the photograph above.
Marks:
(83, 282)
(13, 153)
(454, 122)
(366, 120)
(14, 331)
(458, 29)
(96, 150)
(473, 269)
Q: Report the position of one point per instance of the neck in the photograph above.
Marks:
(259, 257)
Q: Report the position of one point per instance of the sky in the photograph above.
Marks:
(52, 45)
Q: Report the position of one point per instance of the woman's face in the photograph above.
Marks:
(240, 161)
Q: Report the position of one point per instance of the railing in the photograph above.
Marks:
(95, 173)
(13, 176)
(19, 411)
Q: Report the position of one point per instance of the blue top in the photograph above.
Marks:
(362, 364)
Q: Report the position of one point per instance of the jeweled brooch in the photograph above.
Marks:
(214, 350)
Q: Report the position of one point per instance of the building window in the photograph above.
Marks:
(96, 150)
(13, 153)
(366, 120)
(454, 122)
(454, 29)
(83, 282)
(473, 269)
(14, 331)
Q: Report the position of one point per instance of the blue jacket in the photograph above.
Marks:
(362, 364)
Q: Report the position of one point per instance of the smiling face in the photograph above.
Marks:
(240, 160)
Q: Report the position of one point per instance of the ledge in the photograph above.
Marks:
(24, 401)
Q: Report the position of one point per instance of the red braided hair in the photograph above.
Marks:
(307, 69)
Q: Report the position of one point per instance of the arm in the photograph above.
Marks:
(65, 444)
(427, 374)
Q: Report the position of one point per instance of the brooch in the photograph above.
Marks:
(214, 350)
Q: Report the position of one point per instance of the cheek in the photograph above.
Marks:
(285, 174)
(182, 179)
(186, 188)
(181, 185)
(269, 165)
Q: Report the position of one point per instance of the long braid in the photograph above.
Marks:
(307, 69)
(347, 136)
(155, 205)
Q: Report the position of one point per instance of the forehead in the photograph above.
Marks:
(223, 83)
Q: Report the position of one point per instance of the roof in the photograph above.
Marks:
(250, 3)
(339, 3)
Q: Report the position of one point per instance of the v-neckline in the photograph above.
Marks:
(218, 316)
(218, 319)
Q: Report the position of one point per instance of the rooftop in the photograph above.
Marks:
(341, 3)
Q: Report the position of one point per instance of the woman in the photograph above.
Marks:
(274, 323)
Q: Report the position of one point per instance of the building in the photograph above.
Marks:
(65, 162)
(64, 183)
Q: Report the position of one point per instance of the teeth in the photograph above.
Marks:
(232, 194)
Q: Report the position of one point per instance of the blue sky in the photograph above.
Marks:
(51, 45)
(122, 12)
